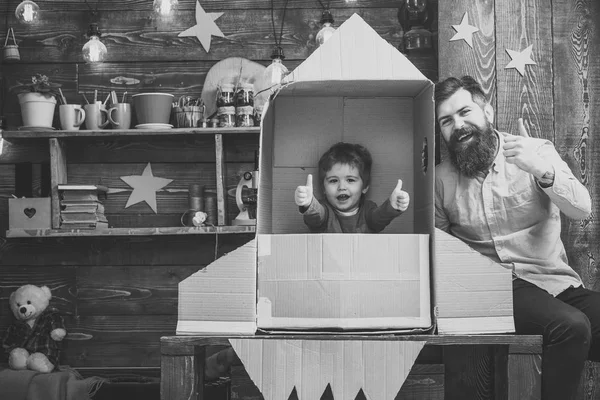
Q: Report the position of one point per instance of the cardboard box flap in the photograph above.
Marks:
(473, 294)
(350, 281)
(378, 367)
(356, 88)
(355, 51)
(221, 298)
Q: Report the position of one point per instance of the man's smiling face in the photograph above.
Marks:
(466, 128)
(458, 111)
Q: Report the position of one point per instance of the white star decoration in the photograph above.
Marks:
(205, 27)
(520, 59)
(464, 31)
(144, 187)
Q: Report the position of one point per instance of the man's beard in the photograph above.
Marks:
(475, 156)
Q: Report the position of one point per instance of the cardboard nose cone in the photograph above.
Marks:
(153, 108)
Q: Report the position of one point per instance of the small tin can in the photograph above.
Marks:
(226, 117)
(225, 95)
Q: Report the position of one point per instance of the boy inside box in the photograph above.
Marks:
(345, 176)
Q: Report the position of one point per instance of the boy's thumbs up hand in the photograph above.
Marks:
(304, 194)
(399, 199)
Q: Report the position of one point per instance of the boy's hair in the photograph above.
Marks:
(446, 88)
(347, 153)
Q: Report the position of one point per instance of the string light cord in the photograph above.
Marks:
(94, 12)
(278, 87)
(278, 43)
(326, 15)
(323, 5)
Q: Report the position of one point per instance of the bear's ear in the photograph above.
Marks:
(13, 305)
(46, 292)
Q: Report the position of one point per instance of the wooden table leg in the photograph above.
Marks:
(182, 373)
(518, 373)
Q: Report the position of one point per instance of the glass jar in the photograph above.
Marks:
(225, 95)
(244, 117)
(258, 110)
(226, 117)
(418, 38)
(245, 95)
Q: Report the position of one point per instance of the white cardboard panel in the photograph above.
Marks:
(422, 194)
(379, 368)
(286, 216)
(475, 325)
(264, 206)
(201, 297)
(356, 52)
(384, 125)
(453, 297)
(305, 128)
(350, 281)
(354, 88)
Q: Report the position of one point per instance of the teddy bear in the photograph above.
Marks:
(33, 341)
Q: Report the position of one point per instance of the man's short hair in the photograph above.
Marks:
(446, 88)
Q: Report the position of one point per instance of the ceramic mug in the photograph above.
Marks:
(119, 116)
(71, 116)
(96, 116)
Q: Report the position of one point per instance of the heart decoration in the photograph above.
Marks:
(30, 212)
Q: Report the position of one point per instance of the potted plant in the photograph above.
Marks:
(37, 100)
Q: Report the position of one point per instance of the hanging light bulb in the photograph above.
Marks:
(94, 50)
(164, 7)
(27, 12)
(327, 30)
(417, 11)
(416, 6)
(418, 38)
(276, 71)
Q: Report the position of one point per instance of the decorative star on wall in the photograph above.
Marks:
(144, 187)
(519, 59)
(464, 31)
(205, 27)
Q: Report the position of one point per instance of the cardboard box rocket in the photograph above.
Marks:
(355, 88)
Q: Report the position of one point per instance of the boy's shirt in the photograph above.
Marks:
(320, 217)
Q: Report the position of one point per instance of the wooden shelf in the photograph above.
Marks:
(153, 231)
(58, 145)
(124, 132)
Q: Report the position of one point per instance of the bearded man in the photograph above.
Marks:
(502, 194)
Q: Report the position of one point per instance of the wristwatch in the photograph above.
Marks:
(546, 180)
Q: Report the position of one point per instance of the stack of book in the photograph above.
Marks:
(81, 208)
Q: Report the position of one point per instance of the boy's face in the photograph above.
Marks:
(344, 187)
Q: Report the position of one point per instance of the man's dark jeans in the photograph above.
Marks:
(570, 325)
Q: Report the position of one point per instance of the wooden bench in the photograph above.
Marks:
(516, 360)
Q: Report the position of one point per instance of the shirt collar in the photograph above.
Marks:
(499, 160)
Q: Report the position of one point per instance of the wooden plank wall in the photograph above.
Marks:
(558, 98)
(120, 294)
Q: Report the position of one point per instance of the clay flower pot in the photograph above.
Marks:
(37, 110)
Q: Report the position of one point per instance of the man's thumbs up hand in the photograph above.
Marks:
(399, 199)
(304, 194)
